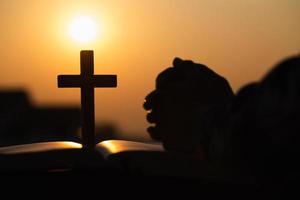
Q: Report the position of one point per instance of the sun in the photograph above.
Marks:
(83, 29)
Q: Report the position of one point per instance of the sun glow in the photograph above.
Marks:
(83, 29)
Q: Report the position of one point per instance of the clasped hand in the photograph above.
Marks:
(178, 107)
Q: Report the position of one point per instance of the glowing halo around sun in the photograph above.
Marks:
(83, 29)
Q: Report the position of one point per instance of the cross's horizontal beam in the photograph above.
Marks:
(75, 81)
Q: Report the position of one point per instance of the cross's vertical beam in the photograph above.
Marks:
(87, 63)
(87, 99)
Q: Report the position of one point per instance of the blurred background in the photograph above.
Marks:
(135, 39)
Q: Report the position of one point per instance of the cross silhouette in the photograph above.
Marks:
(87, 81)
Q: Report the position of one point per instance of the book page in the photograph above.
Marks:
(39, 147)
(106, 148)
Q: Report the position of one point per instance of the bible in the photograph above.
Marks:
(115, 156)
(45, 156)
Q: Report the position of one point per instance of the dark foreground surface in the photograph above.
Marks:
(113, 182)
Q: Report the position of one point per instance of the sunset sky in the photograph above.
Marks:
(136, 39)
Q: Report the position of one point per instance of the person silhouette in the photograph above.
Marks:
(194, 111)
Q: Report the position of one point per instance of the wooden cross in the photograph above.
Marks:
(87, 81)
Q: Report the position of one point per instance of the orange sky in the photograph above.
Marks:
(239, 39)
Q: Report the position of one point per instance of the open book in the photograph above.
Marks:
(65, 155)
(105, 148)
(129, 156)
